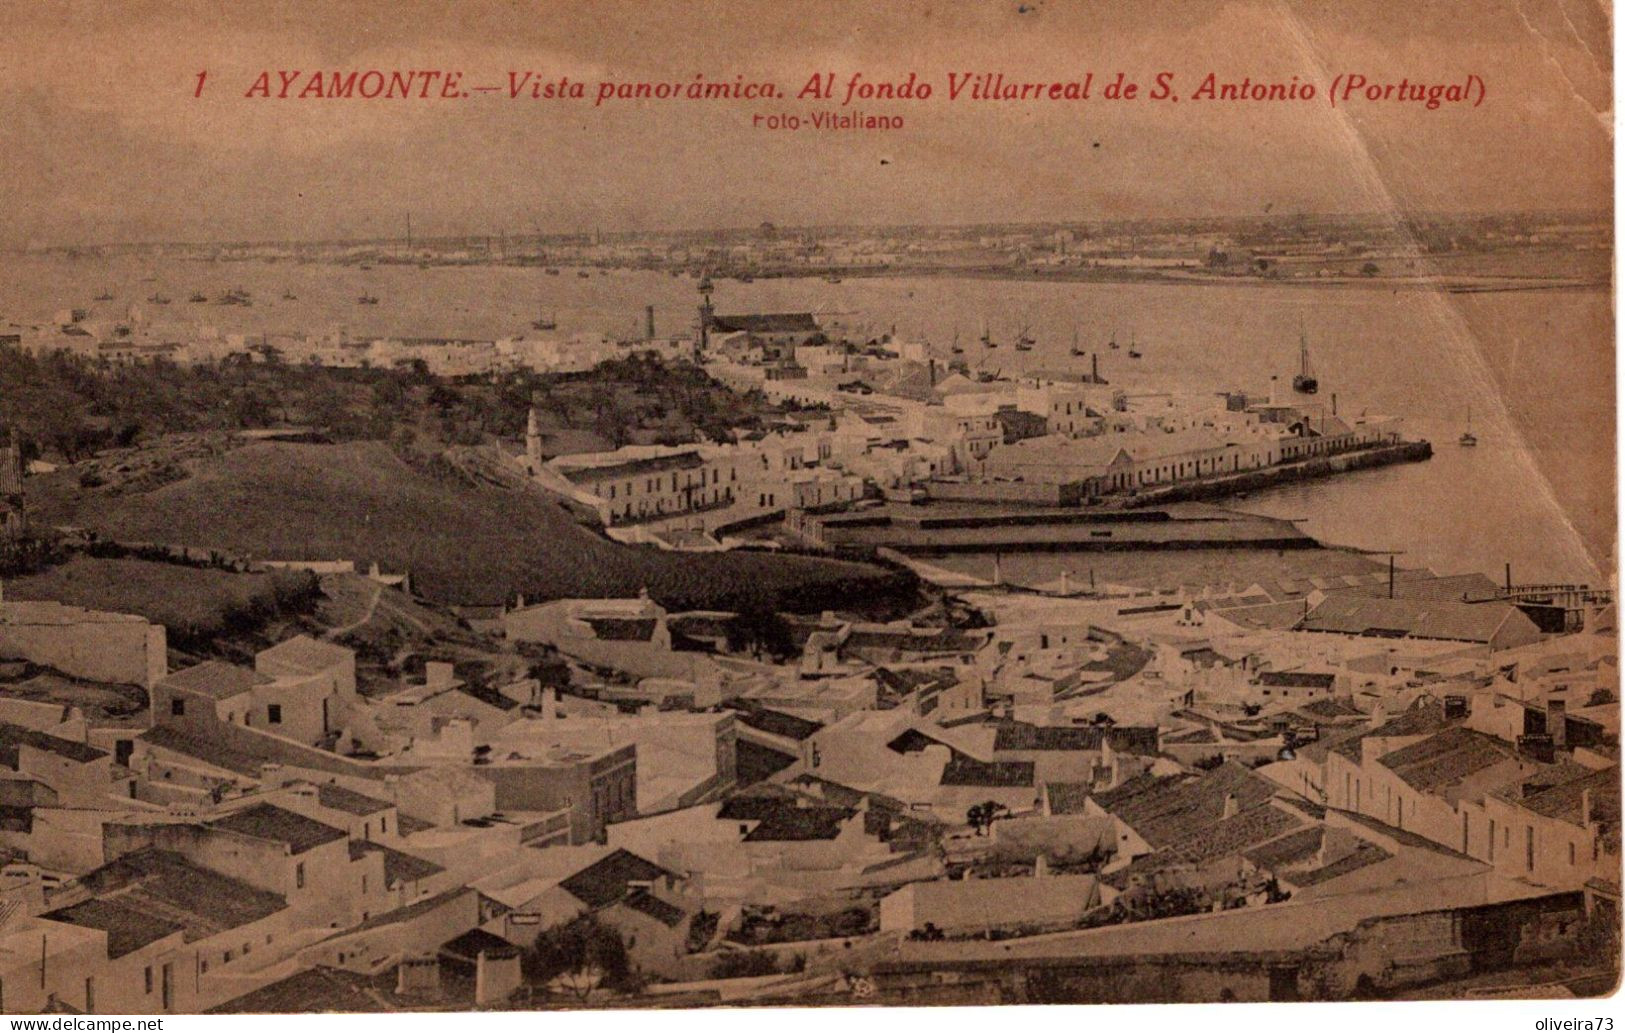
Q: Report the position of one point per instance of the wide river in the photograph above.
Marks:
(1534, 369)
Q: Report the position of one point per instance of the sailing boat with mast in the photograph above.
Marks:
(987, 337)
(1468, 438)
(1133, 348)
(1077, 353)
(1304, 382)
(1024, 340)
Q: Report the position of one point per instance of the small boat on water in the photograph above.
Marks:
(584, 274)
(367, 299)
(198, 299)
(1111, 342)
(1468, 439)
(289, 295)
(1133, 349)
(832, 278)
(157, 299)
(1077, 352)
(551, 272)
(105, 295)
(1305, 381)
(1024, 341)
(236, 296)
(545, 322)
(366, 266)
(987, 338)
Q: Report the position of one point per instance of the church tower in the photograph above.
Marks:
(707, 313)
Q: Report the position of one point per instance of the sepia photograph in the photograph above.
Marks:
(673, 505)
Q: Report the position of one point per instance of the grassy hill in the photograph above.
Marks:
(463, 542)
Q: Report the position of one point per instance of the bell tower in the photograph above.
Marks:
(707, 313)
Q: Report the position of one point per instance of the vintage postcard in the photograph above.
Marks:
(516, 506)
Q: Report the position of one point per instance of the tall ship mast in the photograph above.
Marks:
(1304, 381)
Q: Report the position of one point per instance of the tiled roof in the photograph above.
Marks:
(1066, 797)
(14, 737)
(1020, 736)
(470, 945)
(775, 722)
(1456, 586)
(217, 678)
(607, 880)
(1328, 709)
(211, 752)
(127, 928)
(647, 903)
(398, 867)
(1446, 758)
(1563, 801)
(1418, 720)
(266, 821)
(967, 771)
(1363, 855)
(1214, 840)
(757, 802)
(1295, 858)
(793, 824)
(146, 895)
(622, 629)
(1297, 679)
(1176, 807)
(338, 798)
(318, 989)
(1120, 794)
(1450, 620)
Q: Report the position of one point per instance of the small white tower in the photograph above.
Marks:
(533, 442)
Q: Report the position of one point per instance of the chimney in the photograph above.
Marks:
(418, 975)
(1509, 577)
(1336, 843)
(1094, 368)
(649, 322)
(1231, 808)
(1334, 403)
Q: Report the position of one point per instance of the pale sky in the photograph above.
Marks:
(105, 142)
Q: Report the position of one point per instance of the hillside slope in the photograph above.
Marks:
(464, 543)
